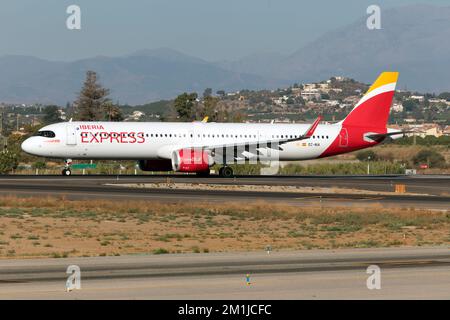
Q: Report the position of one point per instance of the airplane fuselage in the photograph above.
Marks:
(154, 140)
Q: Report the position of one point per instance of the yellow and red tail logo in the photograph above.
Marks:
(372, 111)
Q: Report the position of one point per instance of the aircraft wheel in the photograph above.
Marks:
(66, 172)
(226, 172)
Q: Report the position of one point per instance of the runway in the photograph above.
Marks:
(406, 273)
(435, 189)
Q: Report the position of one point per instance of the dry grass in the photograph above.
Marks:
(56, 227)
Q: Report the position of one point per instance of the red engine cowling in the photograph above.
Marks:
(191, 160)
(155, 165)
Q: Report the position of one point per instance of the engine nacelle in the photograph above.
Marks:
(191, 160)
(155, 165)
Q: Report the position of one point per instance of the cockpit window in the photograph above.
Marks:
(45, 134)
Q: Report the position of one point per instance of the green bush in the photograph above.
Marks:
(427, 141)
(366, 155)
(160, 251)
(8, 162)
(376, 167)
(432, 158)
(39, 165)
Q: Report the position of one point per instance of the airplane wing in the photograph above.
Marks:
(250, 150)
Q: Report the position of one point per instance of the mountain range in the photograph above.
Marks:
(413, 40)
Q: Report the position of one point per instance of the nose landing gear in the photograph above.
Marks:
(66, 171)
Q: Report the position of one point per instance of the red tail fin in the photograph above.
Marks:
(372, 111)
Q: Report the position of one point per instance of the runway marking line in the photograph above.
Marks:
(311, 197)
(342, 199)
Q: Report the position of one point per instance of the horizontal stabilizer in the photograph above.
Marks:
(382, 136)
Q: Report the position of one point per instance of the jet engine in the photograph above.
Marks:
(191, 160)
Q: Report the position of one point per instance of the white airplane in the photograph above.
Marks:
(195, 147)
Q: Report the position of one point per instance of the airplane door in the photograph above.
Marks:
(343, 138)
(71, 136)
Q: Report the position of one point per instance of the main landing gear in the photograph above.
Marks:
(66, 171)
(226, 172)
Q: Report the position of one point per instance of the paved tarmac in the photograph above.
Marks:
(434, 190)
(406, 273)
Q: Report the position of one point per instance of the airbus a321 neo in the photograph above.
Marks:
(196, 146)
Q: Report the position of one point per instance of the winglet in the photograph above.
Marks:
(313, 127)
(205, 119)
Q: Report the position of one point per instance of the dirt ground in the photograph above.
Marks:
(56, 227)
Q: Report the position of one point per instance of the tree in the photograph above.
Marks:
(209, 107)
(185, 106)
(112, 112)
(91, 100)
(444, 95)
(290, 100)
(51, 114)
(409, 105)
(207, 93)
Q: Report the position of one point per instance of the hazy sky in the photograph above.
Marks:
(210, 29)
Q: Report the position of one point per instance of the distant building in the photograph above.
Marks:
(426, 129)
(332, 103)
(310, 94)
(438, 101)
(136, 115)
(397, 107)
(431, 130)
(418, 98)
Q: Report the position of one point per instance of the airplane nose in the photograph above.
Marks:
(28, 146)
